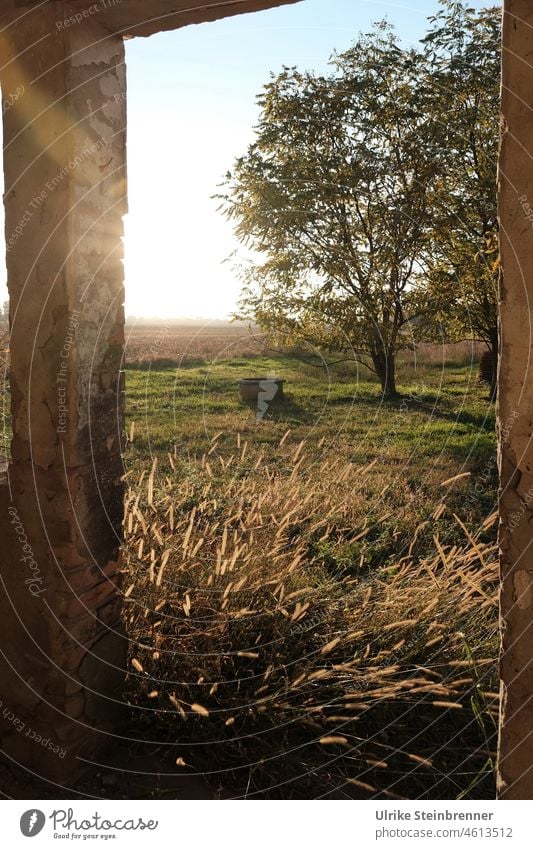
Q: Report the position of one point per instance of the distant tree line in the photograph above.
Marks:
(368, 197)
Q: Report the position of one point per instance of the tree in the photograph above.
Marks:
(333, 198)
(462, 57)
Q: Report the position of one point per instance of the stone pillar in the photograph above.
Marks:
(515, 406)
(62, 651)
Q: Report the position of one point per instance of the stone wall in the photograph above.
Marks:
(515, 408)
(64, 164)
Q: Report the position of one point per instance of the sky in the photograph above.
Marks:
(191, 112)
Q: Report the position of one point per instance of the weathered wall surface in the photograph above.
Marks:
(130, 18)
(65, 195)
(515, 411)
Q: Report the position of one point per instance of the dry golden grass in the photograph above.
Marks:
(180, 344)
(185, 343)
(464, 352)
(282, 676)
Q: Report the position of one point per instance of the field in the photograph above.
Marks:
(160, 344)
(311, 593)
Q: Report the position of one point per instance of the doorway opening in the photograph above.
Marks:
(311, 575)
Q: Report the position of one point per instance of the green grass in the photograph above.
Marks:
(340, 504)
(442, 426)
(311, 576)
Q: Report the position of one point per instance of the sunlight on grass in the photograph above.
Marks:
(304, 595)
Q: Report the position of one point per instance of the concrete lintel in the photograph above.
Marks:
(130, 18)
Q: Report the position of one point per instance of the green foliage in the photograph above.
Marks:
(463, 58)
(368, 198)
(333, 196)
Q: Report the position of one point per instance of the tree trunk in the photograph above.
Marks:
(494, 349)
(385, 366)
(488, 367)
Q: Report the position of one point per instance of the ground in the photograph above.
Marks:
(311, 593)
(310, 588)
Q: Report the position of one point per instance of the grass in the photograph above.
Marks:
(311, 598)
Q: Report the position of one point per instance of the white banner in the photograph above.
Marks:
(256, 825)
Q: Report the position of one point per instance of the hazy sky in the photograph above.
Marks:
(191, 103)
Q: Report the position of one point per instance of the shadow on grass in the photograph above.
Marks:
(432, 406)
(284, 409)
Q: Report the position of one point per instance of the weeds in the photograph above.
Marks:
(281, 657)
